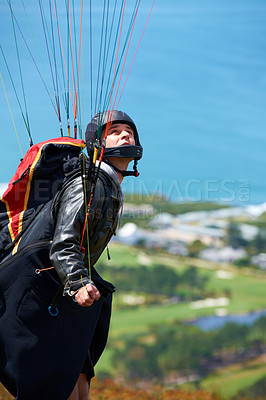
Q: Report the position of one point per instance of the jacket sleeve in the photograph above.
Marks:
(66, 252)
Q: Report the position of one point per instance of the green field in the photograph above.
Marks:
(246, 288)
(227, 381)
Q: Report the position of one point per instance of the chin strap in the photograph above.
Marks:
(135, 171)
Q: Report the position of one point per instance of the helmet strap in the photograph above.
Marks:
(135, 171)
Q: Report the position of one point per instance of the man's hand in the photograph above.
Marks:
(87, 295)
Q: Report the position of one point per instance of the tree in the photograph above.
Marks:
(234, 236)
(195, 247)
(192, 278)
(259, 242)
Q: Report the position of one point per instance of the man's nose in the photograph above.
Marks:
(125, 134)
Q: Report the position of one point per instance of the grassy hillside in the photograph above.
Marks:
(245, 289)
(227, 381)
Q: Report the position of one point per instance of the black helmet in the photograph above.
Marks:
(98, 123)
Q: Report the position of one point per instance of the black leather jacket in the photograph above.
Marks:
(66, 254)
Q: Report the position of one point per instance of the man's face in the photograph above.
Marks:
(119, 135)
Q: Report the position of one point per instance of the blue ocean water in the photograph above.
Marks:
(203, 117)
(197, 92)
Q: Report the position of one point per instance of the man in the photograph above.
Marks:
(62, 317)
(122, 132)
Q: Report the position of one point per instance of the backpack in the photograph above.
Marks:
(38, 178)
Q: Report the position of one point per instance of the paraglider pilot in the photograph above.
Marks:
(54, 307)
